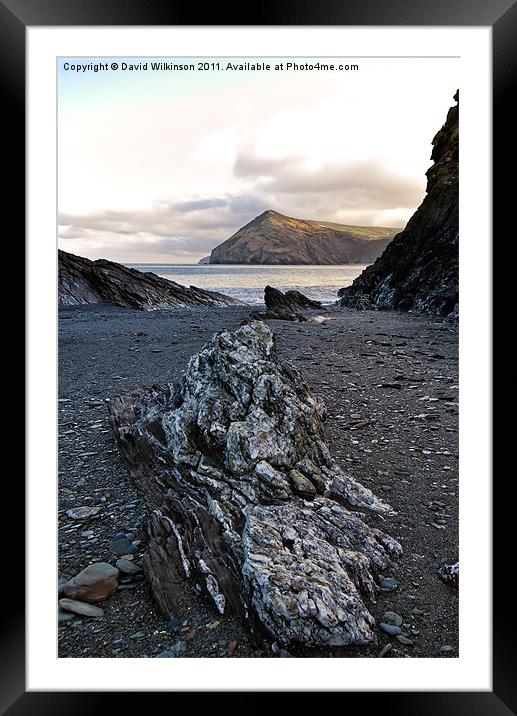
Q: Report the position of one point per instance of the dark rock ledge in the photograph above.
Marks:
(82, 281)
(244, 498)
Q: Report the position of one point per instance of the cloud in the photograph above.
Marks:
(361, 193)
(200, 204)
(358, 184)
(292, 162)
(189, 229)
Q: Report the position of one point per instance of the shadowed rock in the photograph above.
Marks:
(292, 300)
(419, 269)
(82, 281)
(244, 498)
(284, 306)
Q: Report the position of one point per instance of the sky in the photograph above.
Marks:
(161, 166)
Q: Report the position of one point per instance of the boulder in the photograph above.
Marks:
(292, 300)
(285, 306)
(94, 584)
(245, 499)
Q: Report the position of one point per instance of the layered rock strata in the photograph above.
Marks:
(81, 282)
(245, 499)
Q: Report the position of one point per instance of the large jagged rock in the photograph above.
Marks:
(285, 306)
(245, 499)
(291, 300)
(82, 281)
(419, 269)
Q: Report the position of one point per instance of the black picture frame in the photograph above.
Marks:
(501, 15)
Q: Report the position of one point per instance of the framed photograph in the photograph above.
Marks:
(259, 328)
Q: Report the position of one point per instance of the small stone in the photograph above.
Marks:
(404, 640)
(390, 629)
(127, 567)
(447, 649)
(63, 616)
(232, 647)
(450, 574)
(284, 654)
(179, 648)
(83, 513)
(389, 584)
(85, 610)
(416, 612)
(302, 485)
(137, 635)
(120, 545)
(392, 618)
(165, 655)
(174, 625)
(94, 584)
(289, 535)
(385, 649)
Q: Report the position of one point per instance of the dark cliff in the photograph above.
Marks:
(81, 281)
(419, 269)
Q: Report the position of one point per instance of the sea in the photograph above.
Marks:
(321, 283)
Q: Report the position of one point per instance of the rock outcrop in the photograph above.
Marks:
(82, 281)
(284, 306)
(273, 238)
(291, 300)
(419, 269)
(244, 498)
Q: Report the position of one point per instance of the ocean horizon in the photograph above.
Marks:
(246, 282)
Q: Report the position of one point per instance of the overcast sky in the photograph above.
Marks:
(162, 166)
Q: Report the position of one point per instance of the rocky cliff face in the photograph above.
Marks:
(419, 269)
(244, 498)
(273, 238)
(81, 281)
